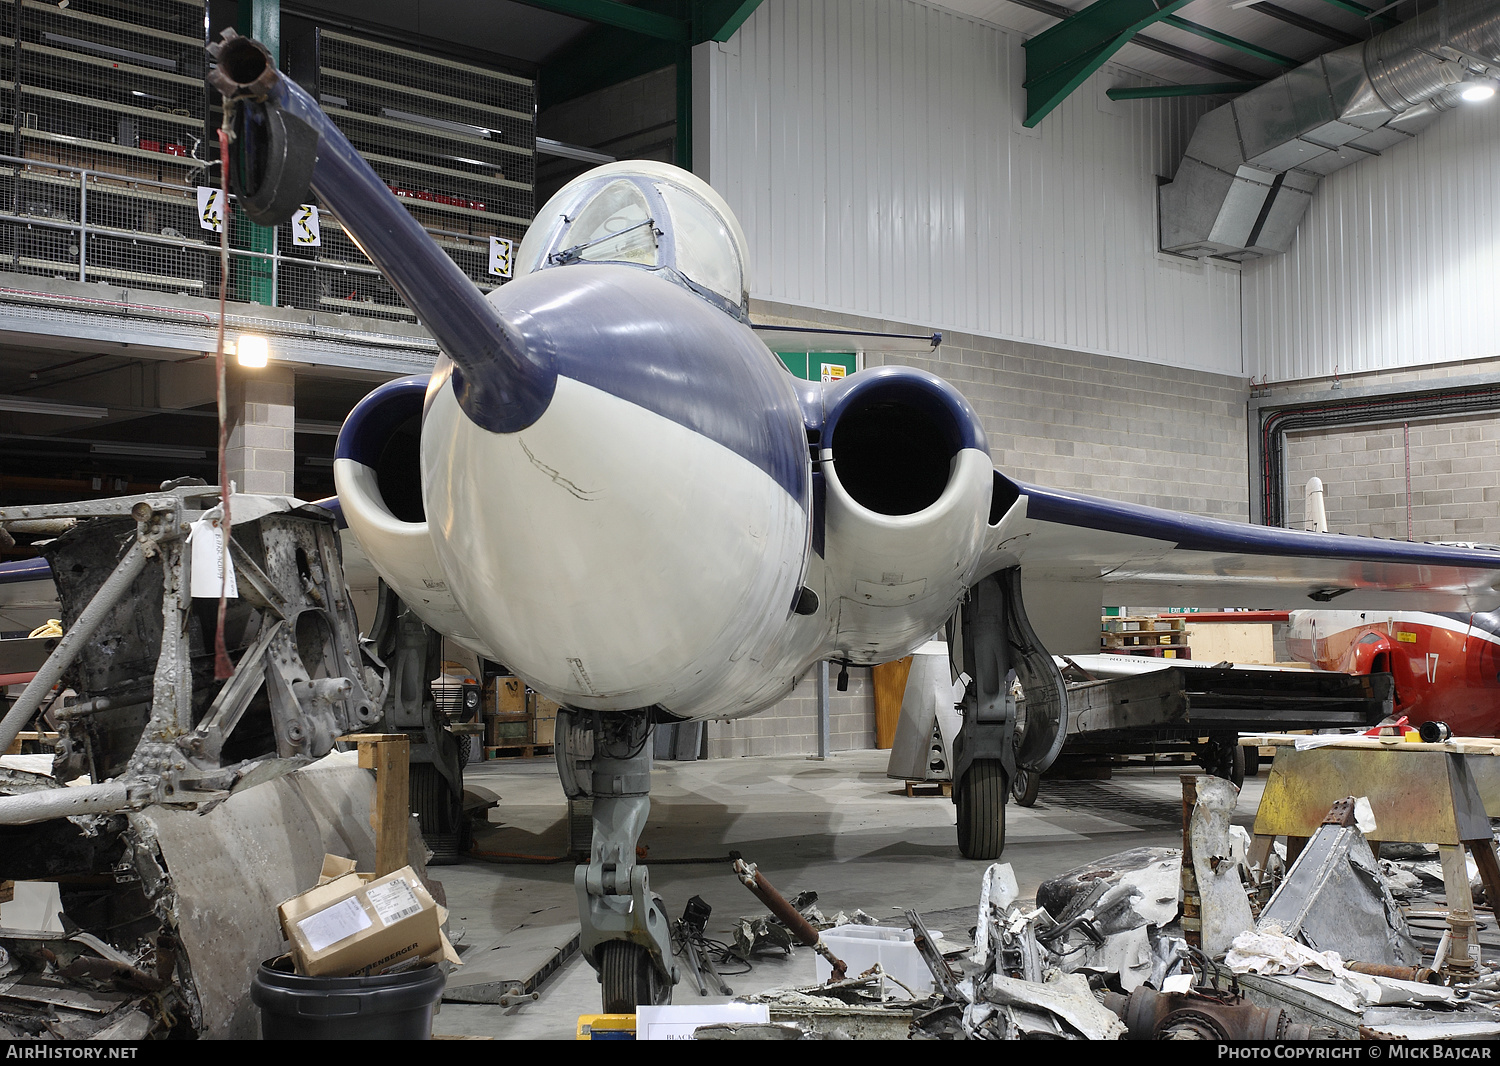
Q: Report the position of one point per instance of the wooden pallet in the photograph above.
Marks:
(935, 788)
(1159, 651)
(1131, 641)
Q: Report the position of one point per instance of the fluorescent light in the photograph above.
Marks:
(162, 451)
(320, 429)
(43, 407)
(436, 123)
(126, 54)
(547, 146)
(252, 350)
(1476, 89)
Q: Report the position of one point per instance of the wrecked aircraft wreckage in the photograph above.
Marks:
(178, 810)
(1221, 939)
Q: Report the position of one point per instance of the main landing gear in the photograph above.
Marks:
(994, 644)
(625, 933)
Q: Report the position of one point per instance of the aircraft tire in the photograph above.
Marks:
(629, 978)
(981, 810)
(1025, 787)
(1223, 757)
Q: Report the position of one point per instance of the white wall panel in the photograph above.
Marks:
(874, 152)
(1394, 265)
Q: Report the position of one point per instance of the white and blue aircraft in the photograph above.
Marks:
(611, 485)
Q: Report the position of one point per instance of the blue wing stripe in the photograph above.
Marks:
(1193, 533)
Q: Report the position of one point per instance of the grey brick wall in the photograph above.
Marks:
(1098, 424)
(262, 409)
(1454, 468)
(1114, 427)
(791, 727)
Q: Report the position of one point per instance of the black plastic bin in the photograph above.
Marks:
(389, 1007)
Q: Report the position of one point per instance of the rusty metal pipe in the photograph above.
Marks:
(1420, 974)
(787, 914)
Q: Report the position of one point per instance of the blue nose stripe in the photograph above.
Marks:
(646, 340)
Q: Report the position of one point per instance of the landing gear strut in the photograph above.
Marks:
(625, 932)
(994, 645)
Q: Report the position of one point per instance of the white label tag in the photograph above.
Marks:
(500, 256)
(393, 901)
(332, 924)
(211, 565)
(210, 208)
(305, 227)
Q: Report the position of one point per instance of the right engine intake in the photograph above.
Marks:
(908, 478)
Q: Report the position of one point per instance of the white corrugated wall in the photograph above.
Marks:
(1395, 264)
(874, 153)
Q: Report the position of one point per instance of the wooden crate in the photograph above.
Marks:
(500, 729)
(543, 718)
(505, 695)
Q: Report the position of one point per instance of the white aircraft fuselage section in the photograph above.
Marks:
(661, 534)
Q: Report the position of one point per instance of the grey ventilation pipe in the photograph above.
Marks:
(1251, 167)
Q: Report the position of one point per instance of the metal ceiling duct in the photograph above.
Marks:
(1251, 167)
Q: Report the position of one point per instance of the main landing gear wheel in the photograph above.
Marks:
(1026, 785)
(981, 810)
(630, 979)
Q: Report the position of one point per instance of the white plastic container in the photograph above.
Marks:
(862, 946)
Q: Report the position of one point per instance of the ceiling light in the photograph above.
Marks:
(1476, 89)
(252, 350)
(43, 407)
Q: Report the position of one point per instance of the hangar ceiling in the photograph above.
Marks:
(1202, 47)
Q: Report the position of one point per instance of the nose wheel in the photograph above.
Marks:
(629, 978)
(981, 810)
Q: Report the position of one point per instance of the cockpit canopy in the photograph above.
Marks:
(648, 214)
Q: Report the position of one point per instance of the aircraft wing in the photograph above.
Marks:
(1079, 552)
(27, 596)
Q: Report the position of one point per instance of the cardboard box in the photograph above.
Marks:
(354, 924)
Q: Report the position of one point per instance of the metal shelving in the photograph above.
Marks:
(106, 128)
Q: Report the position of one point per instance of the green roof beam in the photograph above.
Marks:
(1097, 25)
(1062, 58)
(1160, 92)
(717, 20)
(621, 17)
(1209, 34)
(1362, 11)
(1157, 92)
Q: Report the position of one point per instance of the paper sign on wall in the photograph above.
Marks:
(500, 256)
(212, 568)
(210, 208)
(833, 371)
(305, 227)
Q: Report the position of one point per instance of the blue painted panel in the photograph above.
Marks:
(641, 337)
(1193, 533)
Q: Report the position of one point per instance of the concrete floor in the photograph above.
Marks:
(839, 827)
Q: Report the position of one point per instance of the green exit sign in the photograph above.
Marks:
(819, 366)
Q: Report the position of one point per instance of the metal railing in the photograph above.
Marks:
(78, 224)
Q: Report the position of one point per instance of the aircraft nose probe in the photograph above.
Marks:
(282, 142)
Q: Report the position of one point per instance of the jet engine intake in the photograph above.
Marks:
(377, 472)
(908, 478)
